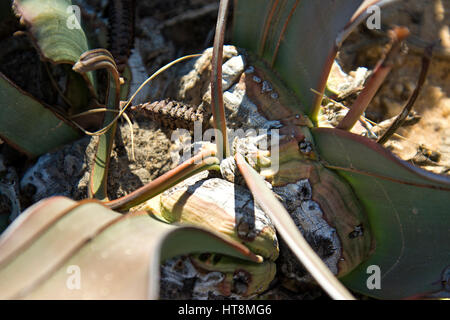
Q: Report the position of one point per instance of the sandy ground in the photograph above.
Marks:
(428, 22)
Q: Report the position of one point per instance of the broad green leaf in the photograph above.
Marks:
(59, 38)
(408, 210)
(77, 92)
(25, 123)
(290, 233)
(117, 256)
(298, 39)
(28, 125)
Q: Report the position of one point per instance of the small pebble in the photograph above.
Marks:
(256, 79)
(250, 69)
(266, 87)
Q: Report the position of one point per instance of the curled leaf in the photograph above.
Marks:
(55, 29)
(115, 256)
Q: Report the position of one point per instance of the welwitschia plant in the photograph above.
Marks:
(341, 203)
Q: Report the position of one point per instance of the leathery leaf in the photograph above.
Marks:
(408, 210)
(40, 129)
(298, 39)
(114, 256)
(59, 38)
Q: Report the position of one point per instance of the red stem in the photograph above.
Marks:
(380, 73)
(217, 107)
(202, 161)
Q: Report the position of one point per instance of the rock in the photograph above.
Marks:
(66, 171)
(58, 173)
(10, 207)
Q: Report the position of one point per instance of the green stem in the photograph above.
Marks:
(89, 61)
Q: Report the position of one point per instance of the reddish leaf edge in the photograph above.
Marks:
(432, 177)
(218, 110)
